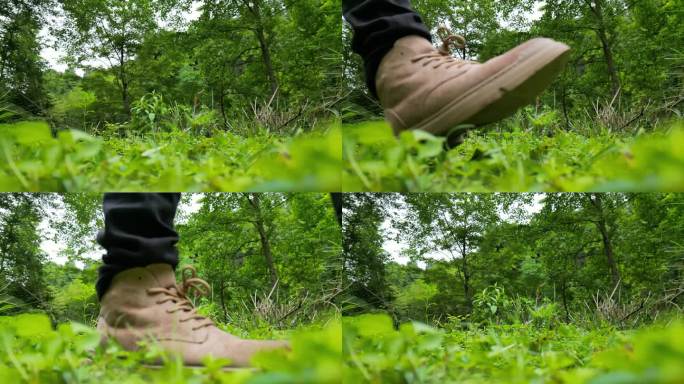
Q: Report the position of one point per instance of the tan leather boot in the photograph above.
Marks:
(421, 87)
(146, 304)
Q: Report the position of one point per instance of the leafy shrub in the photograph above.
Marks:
(148, 112)
(72, 110)
(151, 114)
(10, 112)
(490, 304)
(6, 302)
(493, 306)
(77, 300)
(414, 301)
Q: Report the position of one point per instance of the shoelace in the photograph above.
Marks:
(443, 56)
(179, 296)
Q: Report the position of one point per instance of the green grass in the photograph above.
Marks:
(513, 161)
(167, 161)
(32, 351)
(562, 354)
(371, 158)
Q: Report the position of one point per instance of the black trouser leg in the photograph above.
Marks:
(138, 231)
(377, 25)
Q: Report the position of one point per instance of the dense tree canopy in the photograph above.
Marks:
(213, 64)
(21, 68)
(21, 259)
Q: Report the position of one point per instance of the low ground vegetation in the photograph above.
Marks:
(517, 156)
(169, 160)
(543, 351)
(33, 351)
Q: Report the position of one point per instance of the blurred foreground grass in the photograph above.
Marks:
(512, 161)
(167, 161)
(563, 354)
(32, 351)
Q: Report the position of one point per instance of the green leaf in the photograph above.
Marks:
(32, 324)
(27, 132)
(373, 324)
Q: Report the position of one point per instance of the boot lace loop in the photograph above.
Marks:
(450, 41)
(443, 55)
(179, 295)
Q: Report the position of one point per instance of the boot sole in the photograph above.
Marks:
(510, 89)
(159, 364)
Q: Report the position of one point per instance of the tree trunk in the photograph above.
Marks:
(564, 295)
(564, 102)
(223, 301)
(464, 50)
(253, 7)
(466, 284)
(263, 237)
(266, 251)
(601, 33)
(608, 250)
(466, 273)
(4, 56)
(2, 68)
(124, 82)
(126, 100)
(222, 98)
(266, 55)
(605, 236)
(612, 70)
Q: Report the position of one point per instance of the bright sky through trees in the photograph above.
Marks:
(54, 56)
